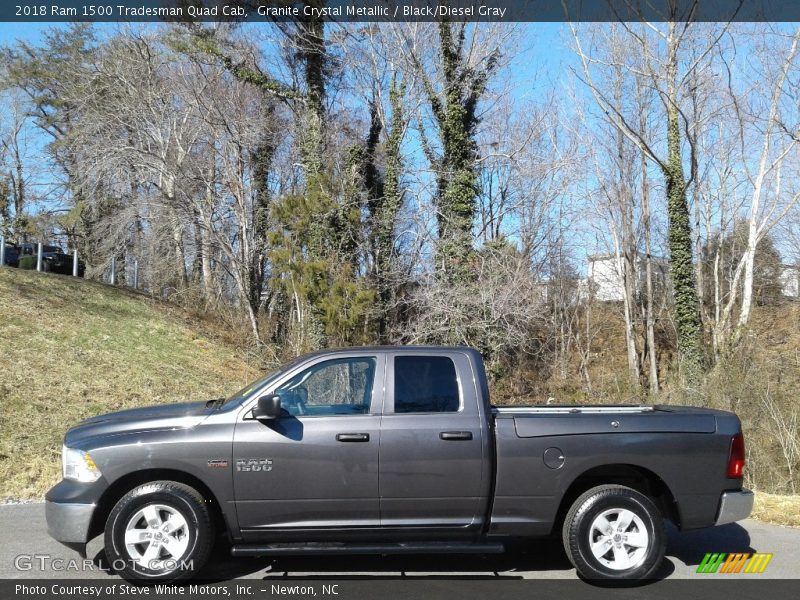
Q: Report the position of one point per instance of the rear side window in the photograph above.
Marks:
(425, 384)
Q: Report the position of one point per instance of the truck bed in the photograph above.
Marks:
(542, 451)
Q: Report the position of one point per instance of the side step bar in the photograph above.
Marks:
(314, 549)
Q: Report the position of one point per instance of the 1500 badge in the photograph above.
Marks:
(254, 465)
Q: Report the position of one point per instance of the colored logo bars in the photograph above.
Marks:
(743, 562)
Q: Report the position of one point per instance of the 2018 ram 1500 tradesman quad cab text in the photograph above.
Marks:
(392, 449)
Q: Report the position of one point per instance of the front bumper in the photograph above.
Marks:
(69, 508)
(68, 523)
(734, 506)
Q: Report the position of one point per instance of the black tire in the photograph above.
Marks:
(172, 497)
(621, 561)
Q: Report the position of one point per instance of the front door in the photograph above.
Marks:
(316, 467)
(434, 467)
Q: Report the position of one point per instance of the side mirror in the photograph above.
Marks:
(267, 407)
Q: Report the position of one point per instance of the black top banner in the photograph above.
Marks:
(365, 11)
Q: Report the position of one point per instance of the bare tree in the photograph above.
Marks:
(498, 311)
(12, 144)
(660, 62)
(780, 138)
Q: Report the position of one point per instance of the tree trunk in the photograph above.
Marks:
(205, 252)
(177, 248)
(625, 246)
(260, 162)
(687, 307)
(649, 292)
(312, 49)
(386, 213)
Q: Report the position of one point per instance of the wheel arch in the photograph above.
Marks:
(126, 483)
(639, 478)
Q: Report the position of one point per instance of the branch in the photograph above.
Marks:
(616, 119)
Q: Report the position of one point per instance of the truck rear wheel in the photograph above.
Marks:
(614, 532)
(159, 531)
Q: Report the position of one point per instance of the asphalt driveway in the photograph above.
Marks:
(27, 552)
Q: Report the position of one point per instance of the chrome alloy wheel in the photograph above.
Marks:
(157, 537)
(618, 539)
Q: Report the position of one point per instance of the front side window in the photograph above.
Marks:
(334, 387)
(425, 384)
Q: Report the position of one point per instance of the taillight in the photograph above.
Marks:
(736, 457)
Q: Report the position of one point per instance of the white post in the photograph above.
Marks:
(135, 274)
(39, 257)
(75, 262)
(2, 250)
(113, 270)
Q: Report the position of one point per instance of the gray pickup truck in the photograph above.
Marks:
(392, 450)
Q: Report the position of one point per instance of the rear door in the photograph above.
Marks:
(434, 455)
(316, 467)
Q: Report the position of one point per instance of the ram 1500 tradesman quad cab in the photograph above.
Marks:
(389, 450)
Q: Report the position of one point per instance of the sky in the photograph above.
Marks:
(542, 39)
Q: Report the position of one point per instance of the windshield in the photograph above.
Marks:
(259, 383)
(51, 249)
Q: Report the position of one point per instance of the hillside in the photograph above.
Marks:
(72, 348)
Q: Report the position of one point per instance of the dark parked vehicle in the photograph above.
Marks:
(11, 256)
(393, 450)
(54, 259)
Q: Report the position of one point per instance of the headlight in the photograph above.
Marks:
(78, 465)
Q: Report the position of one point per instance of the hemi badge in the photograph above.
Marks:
(217, 464)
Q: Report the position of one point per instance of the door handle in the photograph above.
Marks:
(352, 437)
(450, 436)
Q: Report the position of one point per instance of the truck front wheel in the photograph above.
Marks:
(614, 532)
(159, 531)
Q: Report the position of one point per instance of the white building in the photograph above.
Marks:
(790, 281)
(606, 281)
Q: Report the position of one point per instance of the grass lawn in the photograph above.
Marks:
(71, 348)
(777, 509)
